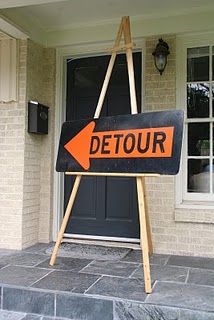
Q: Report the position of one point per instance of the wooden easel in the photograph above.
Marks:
(145, 232)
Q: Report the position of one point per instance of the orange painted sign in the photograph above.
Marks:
(140, 143)
(132, 143)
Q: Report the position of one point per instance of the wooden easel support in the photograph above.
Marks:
(145, 232)
(144, 236)
(65, 219)
(79, 176)
(148, 225)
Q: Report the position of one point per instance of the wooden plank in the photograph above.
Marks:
(129, 57)
(112, 174)
(148, 226)
(143, 236)
(122, 47)
(144, 224)
(108, 73)
(65, 219)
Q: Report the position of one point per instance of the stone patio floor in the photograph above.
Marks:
(109, 287)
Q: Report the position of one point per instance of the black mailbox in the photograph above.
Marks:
(37, 118)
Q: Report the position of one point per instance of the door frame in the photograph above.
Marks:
(62, 54)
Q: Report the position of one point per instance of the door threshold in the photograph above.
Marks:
(103, 241)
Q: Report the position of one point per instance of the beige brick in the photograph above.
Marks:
(20, 153)
(172, 236)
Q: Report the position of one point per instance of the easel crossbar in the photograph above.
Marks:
(112, 174)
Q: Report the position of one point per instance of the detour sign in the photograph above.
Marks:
(141, 143)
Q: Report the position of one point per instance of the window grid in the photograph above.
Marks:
(209, 120)
(211, 115)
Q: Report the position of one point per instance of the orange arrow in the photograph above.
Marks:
(132, 143)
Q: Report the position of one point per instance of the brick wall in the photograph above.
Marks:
(32, 155)
(175, 231)
(47, 151)
(12, 126)
(26, 160)
(159, 90)
(38, 164)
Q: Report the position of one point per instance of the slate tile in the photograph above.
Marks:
(32, 317)
(7, 252)
(195, 315)
(201, 277)
(140, 311)
(82, 308)
(192, 262)
(136, 256)
(23, 259)
(37, 248)
(2, 266)
(133, 256)
(66, 281)
(183, 296)
(163, 273)
(28, 301)
(51, 318)
(23, 276)
(62, 263)
(111, 268)
(8, 315)
(132, 289)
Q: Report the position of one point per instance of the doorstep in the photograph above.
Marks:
(107, 289)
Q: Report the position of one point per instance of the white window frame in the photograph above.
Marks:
(183, 198)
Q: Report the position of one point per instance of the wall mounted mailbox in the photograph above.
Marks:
(37, 118)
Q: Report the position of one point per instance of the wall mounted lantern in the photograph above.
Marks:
(160, 55)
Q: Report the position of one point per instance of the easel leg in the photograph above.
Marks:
(65, 219)
(143, 236)
(148, 225)
(144, 221)
(129, 58)
(96, 115)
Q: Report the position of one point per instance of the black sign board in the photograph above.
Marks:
(140, 143)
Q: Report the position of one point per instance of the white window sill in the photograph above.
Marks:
(209, 205)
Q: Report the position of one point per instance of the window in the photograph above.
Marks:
(198, 182)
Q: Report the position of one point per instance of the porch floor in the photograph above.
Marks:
(107, 286)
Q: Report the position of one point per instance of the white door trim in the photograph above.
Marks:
(102, 238)
(62, 54)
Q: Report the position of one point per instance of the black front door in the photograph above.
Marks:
(104, 206)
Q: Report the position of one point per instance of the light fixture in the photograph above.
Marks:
(160, 55)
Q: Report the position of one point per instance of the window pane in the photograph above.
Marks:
(198, 64)
(213, 100)
(212, 173)
(198, 175)
(213, 136)
(213, 63)
(86, 77)
(199, 139)
(198, 100)
(119, 76)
